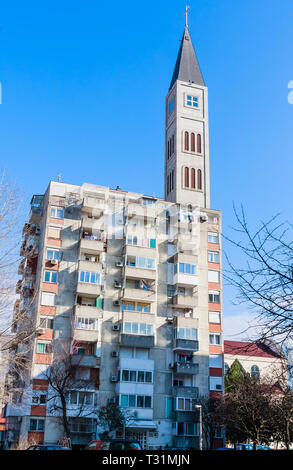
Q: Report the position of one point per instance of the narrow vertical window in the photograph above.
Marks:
(192, 142)
(186, 177)
(186, 141)
(172, 179)
(192, 177)
(168, 149)
(198, 143)
(199, 182)
(173, 143)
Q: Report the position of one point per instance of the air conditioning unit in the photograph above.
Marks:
(54, 261)
(203, 217)
(115, 354)
(112, 400)
(119, 264)
(38, 231)
(116, 303)
(117, 284)
(41, 331)
(114, 378)
(116, 327)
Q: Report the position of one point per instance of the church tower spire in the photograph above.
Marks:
(186, 131)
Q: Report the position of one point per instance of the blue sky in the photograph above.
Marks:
(84, 85)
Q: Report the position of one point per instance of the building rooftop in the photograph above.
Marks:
(242, 348)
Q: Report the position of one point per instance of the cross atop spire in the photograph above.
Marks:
(186, 15)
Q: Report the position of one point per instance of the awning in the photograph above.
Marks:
(140, 423)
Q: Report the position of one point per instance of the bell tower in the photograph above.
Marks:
(187, 131)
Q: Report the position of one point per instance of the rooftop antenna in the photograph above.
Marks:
(186, 15)
(59, 177)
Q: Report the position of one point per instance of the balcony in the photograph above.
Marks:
(184, 301)
(85, 360)
(185, 344)
(92, 223)
(87, 335)
(188, 368)
(87, 311)
(90, 290)
(35, 214)
(191, 392)
(133, 272)
(140, 295)
(95, 206)
(141, 211)
(90, 266)
(185, 279)
(138, 341)
(91, 246)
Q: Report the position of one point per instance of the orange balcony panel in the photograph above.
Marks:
(43, 358)
(215, 328)
(56, 221)
(2, 427)
(40, 384)
(35, 437)
(215, 266)
(38, 410)
(50, 287)
(213, 247)
(54, 242)
(47, 335)
(47, 310)
(215, 349)
(216, 372)
(214, 286)
(213, 307)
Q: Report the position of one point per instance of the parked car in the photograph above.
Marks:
(113, 444)
(47, 447)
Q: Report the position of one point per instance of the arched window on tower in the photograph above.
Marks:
(198, 143)
(192, 178)
(186, 141)
(168, 149)
(173, 144)
(199, 180)
(186, 177)
(192, 143)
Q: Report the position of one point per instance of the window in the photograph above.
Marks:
(50, 276)
(214, 317)
(171, 106)
(186, 177)
(146, 263)
(255, 372)
(198, 143)
(136, 376)
(213, 237)
(214, 297)
(44, 348)
(39, 398)
(37, 424)
(81, 398)
(54, 232)
(47, 323)
(89, 277)
(215, 339)
(213, 257)
(192, 178)
(192, 146)
(48, 298)
(57, 212)
(84, 323)
(214, 276)
(139, 401)
(191, 101)
(135, 328)
(226, 368)
(53, 254)
(186, 141)
(199, 180)
(186, 404)
(185, 268)
(186, 333)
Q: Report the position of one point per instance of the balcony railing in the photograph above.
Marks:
(188, 368)
(185, 344)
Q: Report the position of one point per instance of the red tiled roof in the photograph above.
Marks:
(243, 348)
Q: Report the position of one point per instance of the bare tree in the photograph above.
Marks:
(65, 385)
(212, 417)
(264, 281)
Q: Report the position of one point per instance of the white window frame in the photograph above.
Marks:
(54, 251)
(194, 99)
(149, 326)
(214, 255)
(215, 317)
(50, 276)
(48, 295)
(213, 237)
(214, 276)
(55, 210)
(213, 341)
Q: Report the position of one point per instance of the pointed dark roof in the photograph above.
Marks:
(187, 68)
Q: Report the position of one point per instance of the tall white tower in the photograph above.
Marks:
(187, 132)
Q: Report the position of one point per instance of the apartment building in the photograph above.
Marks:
(133, 284)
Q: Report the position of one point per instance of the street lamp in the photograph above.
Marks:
(200, 425)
